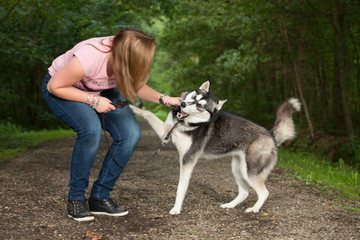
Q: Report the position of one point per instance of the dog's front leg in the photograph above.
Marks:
(152, 119)
(184, 179)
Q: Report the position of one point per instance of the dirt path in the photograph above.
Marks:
(33, 195)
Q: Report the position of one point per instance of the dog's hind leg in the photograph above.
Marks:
(236, 166)
(261, 158)
(258, 184)
(184, 179)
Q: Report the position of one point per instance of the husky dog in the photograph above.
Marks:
(206, 131)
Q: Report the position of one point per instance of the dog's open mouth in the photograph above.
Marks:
(181, 115)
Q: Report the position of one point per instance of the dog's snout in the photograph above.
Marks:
(183, 104)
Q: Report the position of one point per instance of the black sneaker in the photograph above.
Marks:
(105, 207)
(79, 210)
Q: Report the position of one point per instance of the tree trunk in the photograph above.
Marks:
(299, 80)
(338, 17)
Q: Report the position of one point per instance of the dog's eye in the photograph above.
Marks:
(199, 106)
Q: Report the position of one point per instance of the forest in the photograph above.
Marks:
(256, 54)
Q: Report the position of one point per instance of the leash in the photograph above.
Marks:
(157, 151)
(122, 104)
(117, 104)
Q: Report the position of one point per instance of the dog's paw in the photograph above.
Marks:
(174, 211)
(137, 111)
(133, 108)
(249, 210)
(227, 205)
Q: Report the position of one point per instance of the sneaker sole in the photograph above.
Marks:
(83, 219)
(111, 214)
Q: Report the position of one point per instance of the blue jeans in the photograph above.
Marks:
(87, 123)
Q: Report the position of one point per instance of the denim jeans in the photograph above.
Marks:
(87, 123)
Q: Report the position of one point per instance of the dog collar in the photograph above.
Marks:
(213, 118)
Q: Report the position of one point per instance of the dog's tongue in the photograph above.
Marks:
(181, 115)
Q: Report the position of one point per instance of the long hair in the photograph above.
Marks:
(132, 53)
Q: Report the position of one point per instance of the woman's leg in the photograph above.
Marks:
(125, 131)
(85, 122)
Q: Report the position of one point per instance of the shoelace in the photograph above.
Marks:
(81, 206)
(111, 203)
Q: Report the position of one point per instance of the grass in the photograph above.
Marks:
(313, 170)
(14, 140)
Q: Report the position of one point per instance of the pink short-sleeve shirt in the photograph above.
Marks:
(93, 62)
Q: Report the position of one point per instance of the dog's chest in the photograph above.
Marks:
(182, 142)
(190, 139)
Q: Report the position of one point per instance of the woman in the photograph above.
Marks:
(80, 89)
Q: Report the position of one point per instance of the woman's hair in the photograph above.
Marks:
(132, 55)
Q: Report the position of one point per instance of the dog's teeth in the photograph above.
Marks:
(181, 115)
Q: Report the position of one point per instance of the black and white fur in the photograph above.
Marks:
(207, 132)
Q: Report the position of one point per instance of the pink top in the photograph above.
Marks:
(93, 62)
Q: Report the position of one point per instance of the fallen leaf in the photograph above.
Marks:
(92, 236)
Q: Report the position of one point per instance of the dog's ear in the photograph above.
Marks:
(183, 94)
(205, 86)
(220, 104)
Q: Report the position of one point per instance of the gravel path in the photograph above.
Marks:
(33, 195)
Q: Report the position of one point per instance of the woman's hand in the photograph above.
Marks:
(173, 101)
(104, 105)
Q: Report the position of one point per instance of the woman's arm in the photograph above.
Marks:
(148, 94)
(61, 85)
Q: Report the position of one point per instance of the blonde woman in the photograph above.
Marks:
(80, 88)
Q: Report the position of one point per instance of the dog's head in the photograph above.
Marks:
(198, 106)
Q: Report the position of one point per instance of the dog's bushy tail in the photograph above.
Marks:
(284, 128)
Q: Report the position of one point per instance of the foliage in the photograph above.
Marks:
(214, 41)
(354, 146)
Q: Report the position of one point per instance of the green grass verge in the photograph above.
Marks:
(328, 176)
(14, 141)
